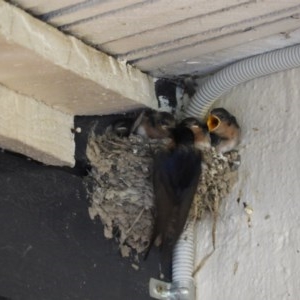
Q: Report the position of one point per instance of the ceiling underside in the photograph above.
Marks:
(170, 38)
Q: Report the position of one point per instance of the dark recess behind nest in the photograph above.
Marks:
(166, 89)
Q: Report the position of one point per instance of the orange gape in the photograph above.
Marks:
(213, 122)
(224, 130)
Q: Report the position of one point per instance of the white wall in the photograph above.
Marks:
(261, 261)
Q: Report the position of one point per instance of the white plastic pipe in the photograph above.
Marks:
(183, 287)
(183, 258)
(242, 71)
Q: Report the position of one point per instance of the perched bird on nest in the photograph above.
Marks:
(201, 133)
(153, 124)
(224, 130)
(176, 172)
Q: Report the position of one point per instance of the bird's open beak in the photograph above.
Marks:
(213, 122)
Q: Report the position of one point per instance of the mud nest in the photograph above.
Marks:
(122, 194)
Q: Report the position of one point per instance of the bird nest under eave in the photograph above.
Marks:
(122, 194)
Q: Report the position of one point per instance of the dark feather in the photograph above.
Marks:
(176, 175)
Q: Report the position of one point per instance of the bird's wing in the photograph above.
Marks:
(185, 188)
(163, 198)
(186, 170)
(163, 190)
(175, 178)
(175, 182)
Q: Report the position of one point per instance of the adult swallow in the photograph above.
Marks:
(224, 130)
(176, 172)
(201, 133)
(154, 124)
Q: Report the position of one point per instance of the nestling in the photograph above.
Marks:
(224, 130)
(201, 134)
(154, 124)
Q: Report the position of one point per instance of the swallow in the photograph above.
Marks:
(201, 133)
(176, 173)
(153, 124)
(224, 130)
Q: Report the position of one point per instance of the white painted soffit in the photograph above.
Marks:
(36, 130)
(173, 37)
(39, 61)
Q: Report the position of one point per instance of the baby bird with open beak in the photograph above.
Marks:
(224, 130)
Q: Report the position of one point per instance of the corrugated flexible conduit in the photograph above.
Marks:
(242, 71)
(279, 60)
(183, 286)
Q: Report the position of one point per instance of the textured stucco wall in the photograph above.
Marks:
(259, 259)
